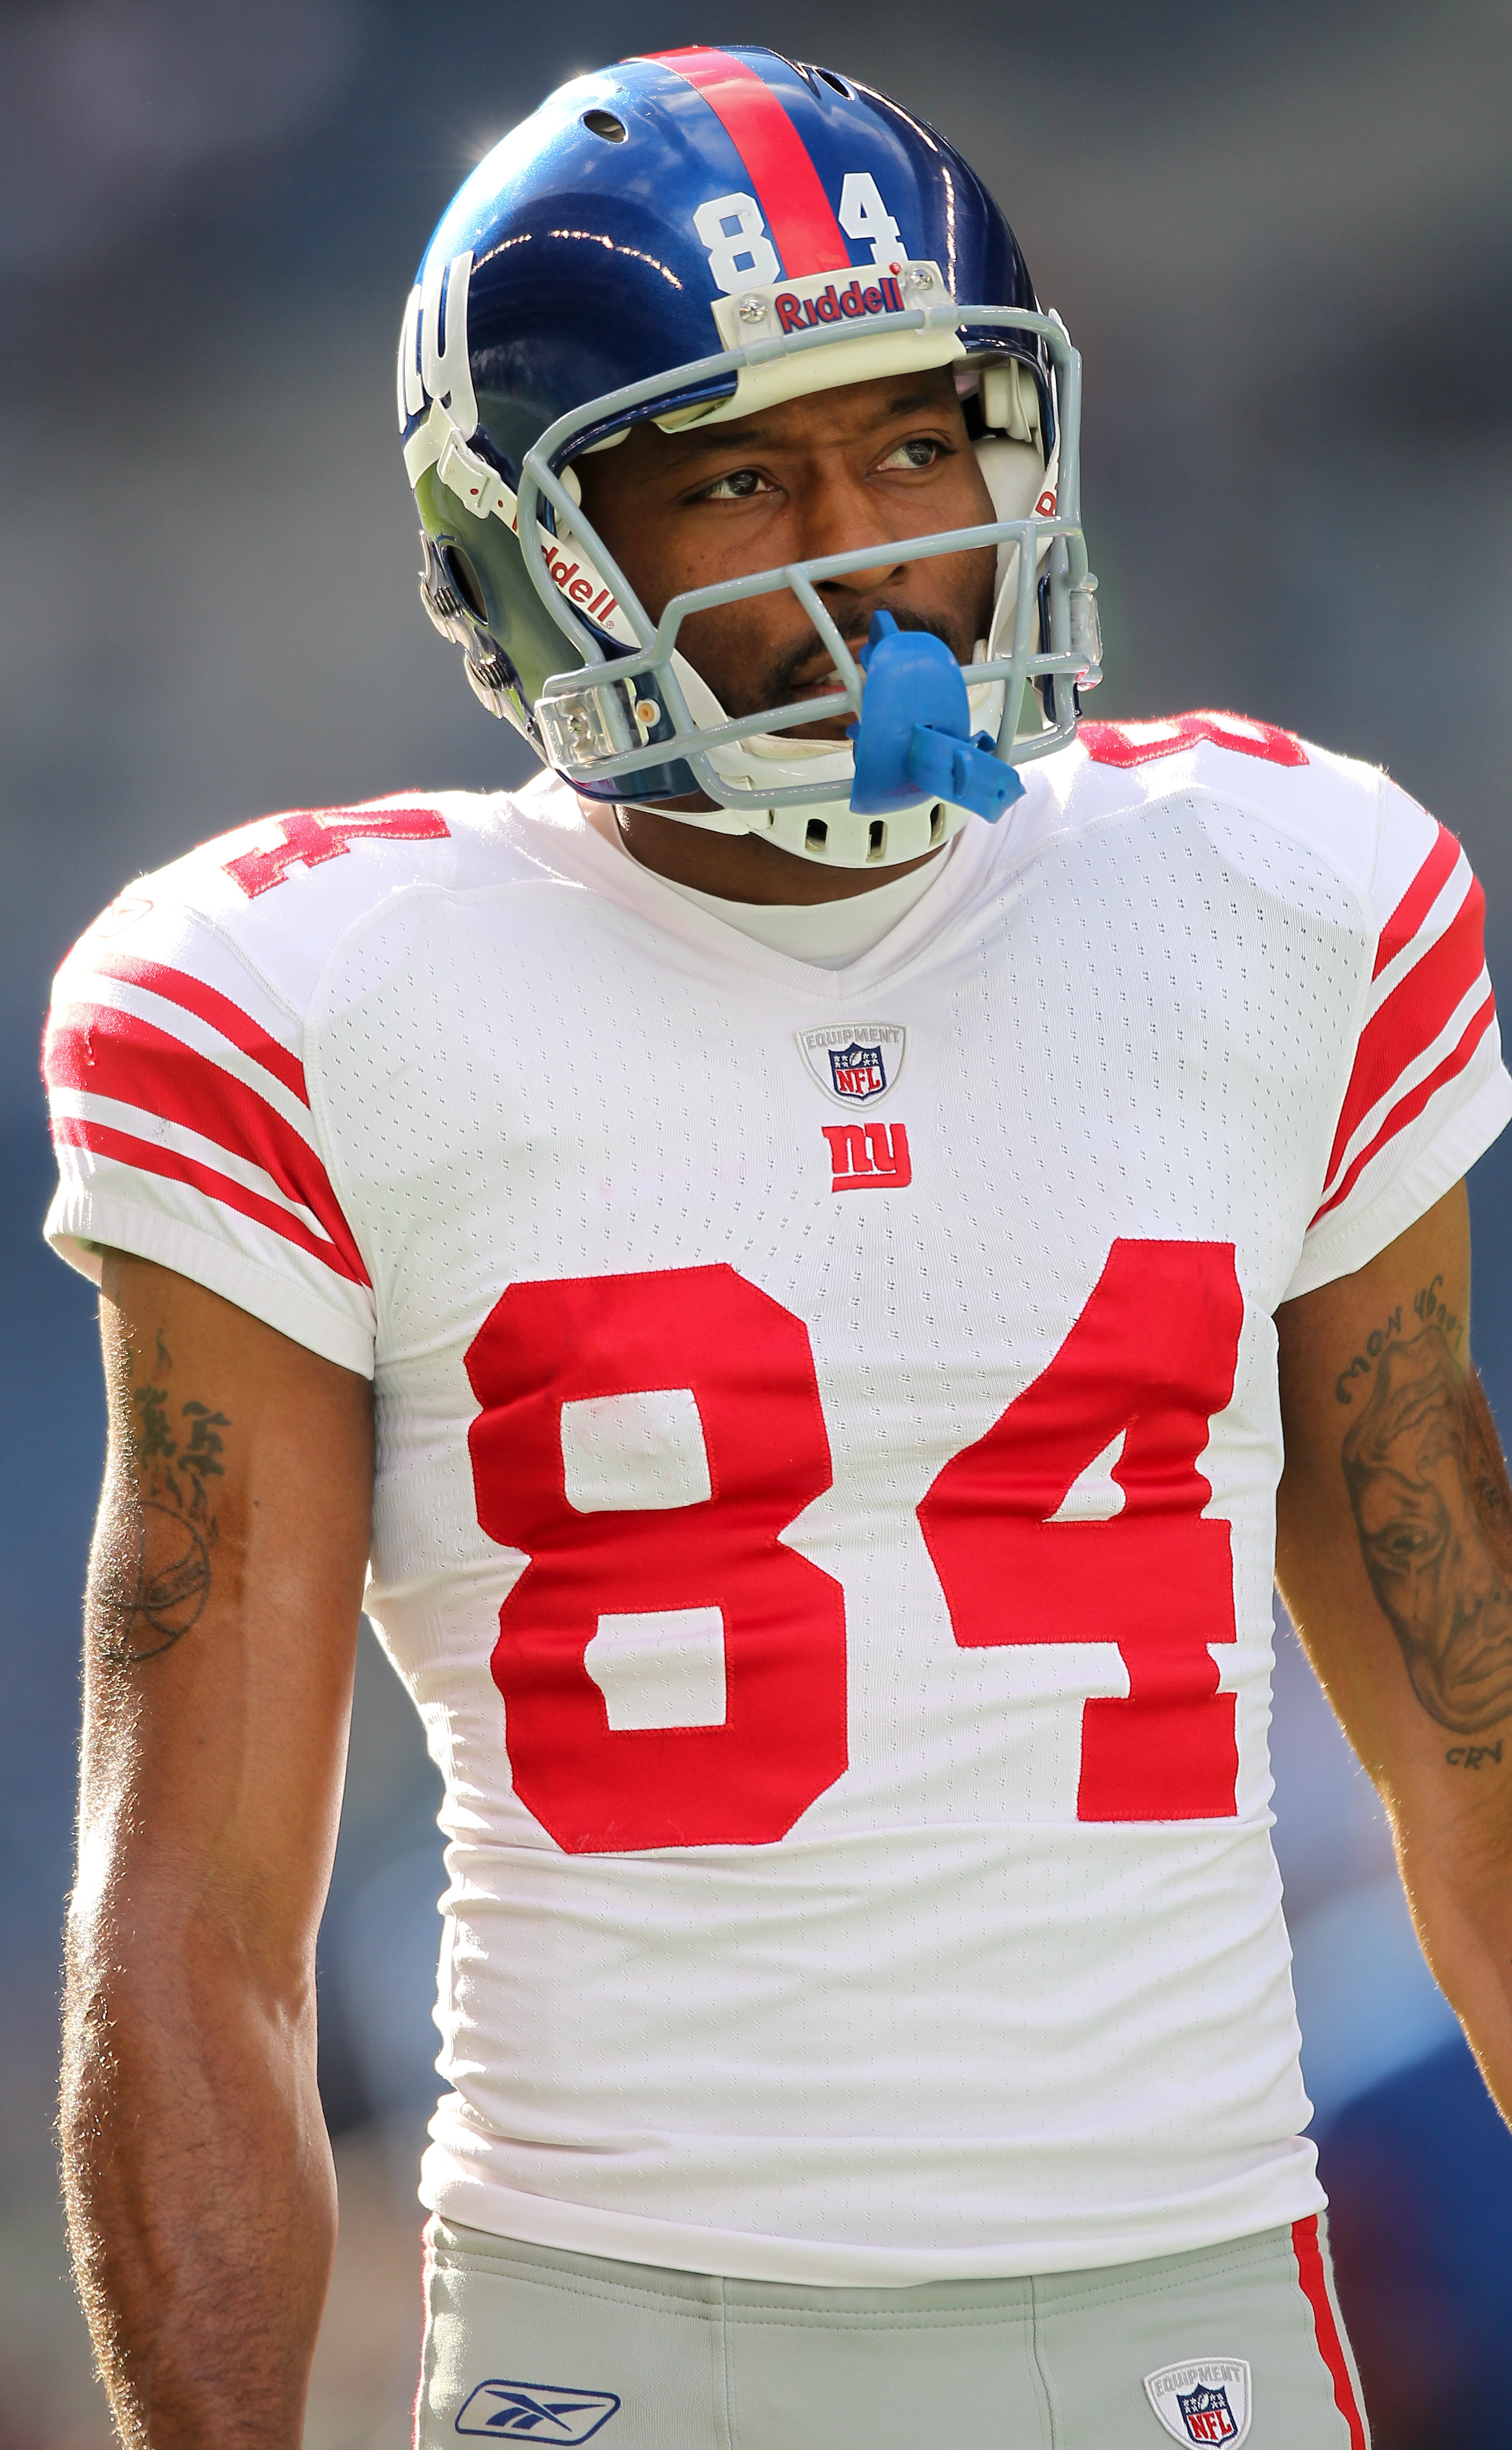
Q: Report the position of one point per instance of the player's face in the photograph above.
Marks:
(871, 464)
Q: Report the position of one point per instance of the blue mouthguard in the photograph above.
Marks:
(914, 738)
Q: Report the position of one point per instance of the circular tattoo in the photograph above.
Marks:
(171, 1587)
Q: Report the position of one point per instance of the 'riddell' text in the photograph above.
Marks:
(799, 314)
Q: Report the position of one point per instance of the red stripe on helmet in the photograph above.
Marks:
(795, 207)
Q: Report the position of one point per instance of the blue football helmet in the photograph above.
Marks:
(695, 236)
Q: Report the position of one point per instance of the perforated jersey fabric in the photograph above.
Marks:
(827, 1446)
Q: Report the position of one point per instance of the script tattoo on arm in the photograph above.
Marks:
(160, 1572)
(1429, 1490)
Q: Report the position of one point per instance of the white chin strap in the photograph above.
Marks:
(1017, 478)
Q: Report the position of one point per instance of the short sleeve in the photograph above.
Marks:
(184, 1131)
(1426, 1092)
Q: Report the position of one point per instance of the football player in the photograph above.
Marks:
(824, 1250)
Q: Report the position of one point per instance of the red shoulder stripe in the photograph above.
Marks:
(1418, 1007)
(148, 1156)
(1306, 2248)
(112, 1054)
(206, 1003)
(1418, 900)
(1408, 1109)
(795, 207)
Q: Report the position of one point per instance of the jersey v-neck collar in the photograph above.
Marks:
(832, 935)
(973, 873)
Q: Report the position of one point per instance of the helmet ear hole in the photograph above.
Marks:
(465, 580)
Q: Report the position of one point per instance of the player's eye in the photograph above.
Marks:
(919, 450)
(740, 485)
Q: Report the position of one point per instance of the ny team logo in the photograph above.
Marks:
(1206, 2400)
(858, 1061)
(536, 2411)
(868, 1156)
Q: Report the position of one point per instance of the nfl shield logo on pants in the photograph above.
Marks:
(1207, 2399)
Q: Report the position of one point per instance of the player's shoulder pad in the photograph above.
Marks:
(1348, 814)
(282, 891)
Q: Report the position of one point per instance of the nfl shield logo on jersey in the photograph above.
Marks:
(857, 1071)
(1205, 2400)
(858, 1061)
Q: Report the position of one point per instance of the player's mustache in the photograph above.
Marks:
(810, 661)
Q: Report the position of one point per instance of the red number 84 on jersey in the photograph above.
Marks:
(1137, 1382)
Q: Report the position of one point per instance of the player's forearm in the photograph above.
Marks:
(1394, 1552)
(1460, 1896)
(201, 2193)
(223, 1592)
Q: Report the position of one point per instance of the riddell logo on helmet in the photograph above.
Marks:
(843, 302)
(795, 314)
(596, 599)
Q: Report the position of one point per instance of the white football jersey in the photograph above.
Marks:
(827, 1442)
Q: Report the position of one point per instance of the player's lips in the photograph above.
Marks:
(810, 679)
(791, 682)
(819, 683)
(791, 690)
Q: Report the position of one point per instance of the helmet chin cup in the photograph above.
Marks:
(828, 831)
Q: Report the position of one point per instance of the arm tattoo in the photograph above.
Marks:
(1429, 1490)
(159, 1578)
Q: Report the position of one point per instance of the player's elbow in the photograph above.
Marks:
(157, 1943)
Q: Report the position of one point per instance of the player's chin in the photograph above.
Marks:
(776, 701)
(832, 727)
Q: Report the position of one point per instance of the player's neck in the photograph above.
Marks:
(739, 867)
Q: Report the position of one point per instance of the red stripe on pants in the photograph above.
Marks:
(1309, 2251)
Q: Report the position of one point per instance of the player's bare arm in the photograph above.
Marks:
(1394, 1552)
(225, 1589)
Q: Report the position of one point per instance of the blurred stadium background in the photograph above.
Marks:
(1282, 237)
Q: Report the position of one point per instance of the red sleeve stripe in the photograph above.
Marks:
(1310, 2273)
(1418, 900)
(208, 1004)
(149, 1157)
(114, 1054)
(1419, 1007)
(786, 185)
(1408, 1109)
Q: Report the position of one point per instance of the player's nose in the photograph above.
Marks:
(843, 515)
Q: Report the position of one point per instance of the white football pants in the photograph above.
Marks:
(1237, 2343)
